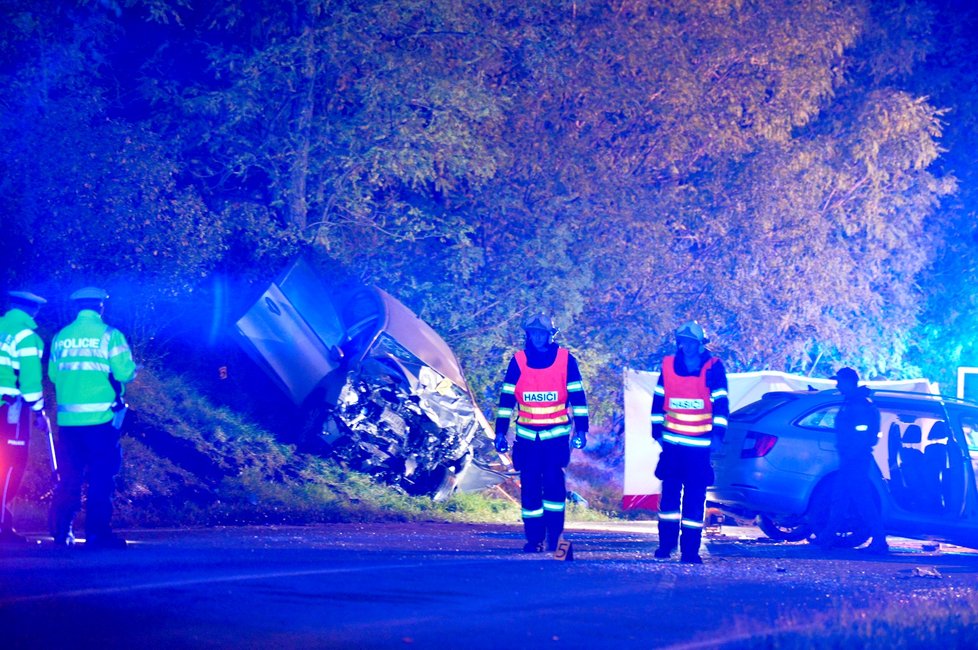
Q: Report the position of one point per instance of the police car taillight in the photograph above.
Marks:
(757, 445)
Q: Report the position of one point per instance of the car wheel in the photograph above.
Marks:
(854, 531)
(791, 531)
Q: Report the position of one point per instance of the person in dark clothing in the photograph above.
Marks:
(689, 412)
(543, 387)
(857, 429)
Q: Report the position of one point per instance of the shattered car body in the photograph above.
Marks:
(384, 392)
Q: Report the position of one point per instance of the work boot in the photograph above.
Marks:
(551, 540)
(826, 541)
(61, 528)
(533, 547)
(668, 535)
(878, 547)
(664, 552)
(689, 545)
(106, 541)
(66, 540)
(10, 536)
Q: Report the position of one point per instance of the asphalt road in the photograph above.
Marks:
(447, 586)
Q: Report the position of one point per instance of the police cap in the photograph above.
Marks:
(90, 293)
(26, 297)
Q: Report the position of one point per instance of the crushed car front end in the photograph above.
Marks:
(383, 391)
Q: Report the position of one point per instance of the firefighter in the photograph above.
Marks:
(90, 364)
(543, 384)
(857, 429)
(689, 415)
(21, 398)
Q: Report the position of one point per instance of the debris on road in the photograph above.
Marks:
(925, 572)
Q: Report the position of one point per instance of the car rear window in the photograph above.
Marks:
(823, 418)
(756, 410)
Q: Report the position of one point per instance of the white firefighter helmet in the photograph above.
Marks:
(540, 321)
(692, 330)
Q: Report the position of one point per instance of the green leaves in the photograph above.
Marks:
(764, 167)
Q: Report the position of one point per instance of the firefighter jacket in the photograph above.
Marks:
(690, 408)
(87, 356)
(545, 391)
(21, 350)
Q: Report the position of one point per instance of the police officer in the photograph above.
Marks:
(21, 398)
(857, 429)
(543, 384)
(689, 411)
(90, 364)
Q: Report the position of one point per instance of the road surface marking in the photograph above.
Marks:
(190, 582)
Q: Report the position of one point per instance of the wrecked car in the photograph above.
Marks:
(383, 392)
(778, 463)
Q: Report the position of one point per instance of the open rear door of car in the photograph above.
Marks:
(294, 332)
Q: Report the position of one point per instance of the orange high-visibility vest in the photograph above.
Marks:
(689, 409)
(541, 393)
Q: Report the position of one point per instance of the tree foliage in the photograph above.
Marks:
(767, 167)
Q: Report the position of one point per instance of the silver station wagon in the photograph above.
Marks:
(778, 463)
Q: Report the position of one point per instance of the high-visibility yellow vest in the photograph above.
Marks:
(21, 350)
(84, 356)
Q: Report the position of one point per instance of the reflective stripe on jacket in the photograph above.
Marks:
(688, 405)
(541, 396)
(84, 356)
(21, 350)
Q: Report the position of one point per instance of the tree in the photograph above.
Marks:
(628, 166)
(943, 338)
(90, 197)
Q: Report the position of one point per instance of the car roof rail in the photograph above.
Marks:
(785, 393)
(935, 397)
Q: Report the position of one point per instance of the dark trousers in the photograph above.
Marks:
(685, 473)
(97, 451)
(14, 444)
(543, 489)
(852, 493)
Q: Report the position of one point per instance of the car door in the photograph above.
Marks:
(962, 488)
(925, 468)
(293, 331)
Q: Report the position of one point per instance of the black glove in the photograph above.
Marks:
(718, 435)
(579, 441)
(501, 445)
(657, 432)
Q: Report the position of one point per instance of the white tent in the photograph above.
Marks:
(642, 488)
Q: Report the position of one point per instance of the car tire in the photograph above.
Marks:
(783, 532)
(854, 532)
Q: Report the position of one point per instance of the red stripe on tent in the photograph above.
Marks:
(640, 502)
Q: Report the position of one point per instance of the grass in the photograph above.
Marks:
(188, 462)
(936, 619)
